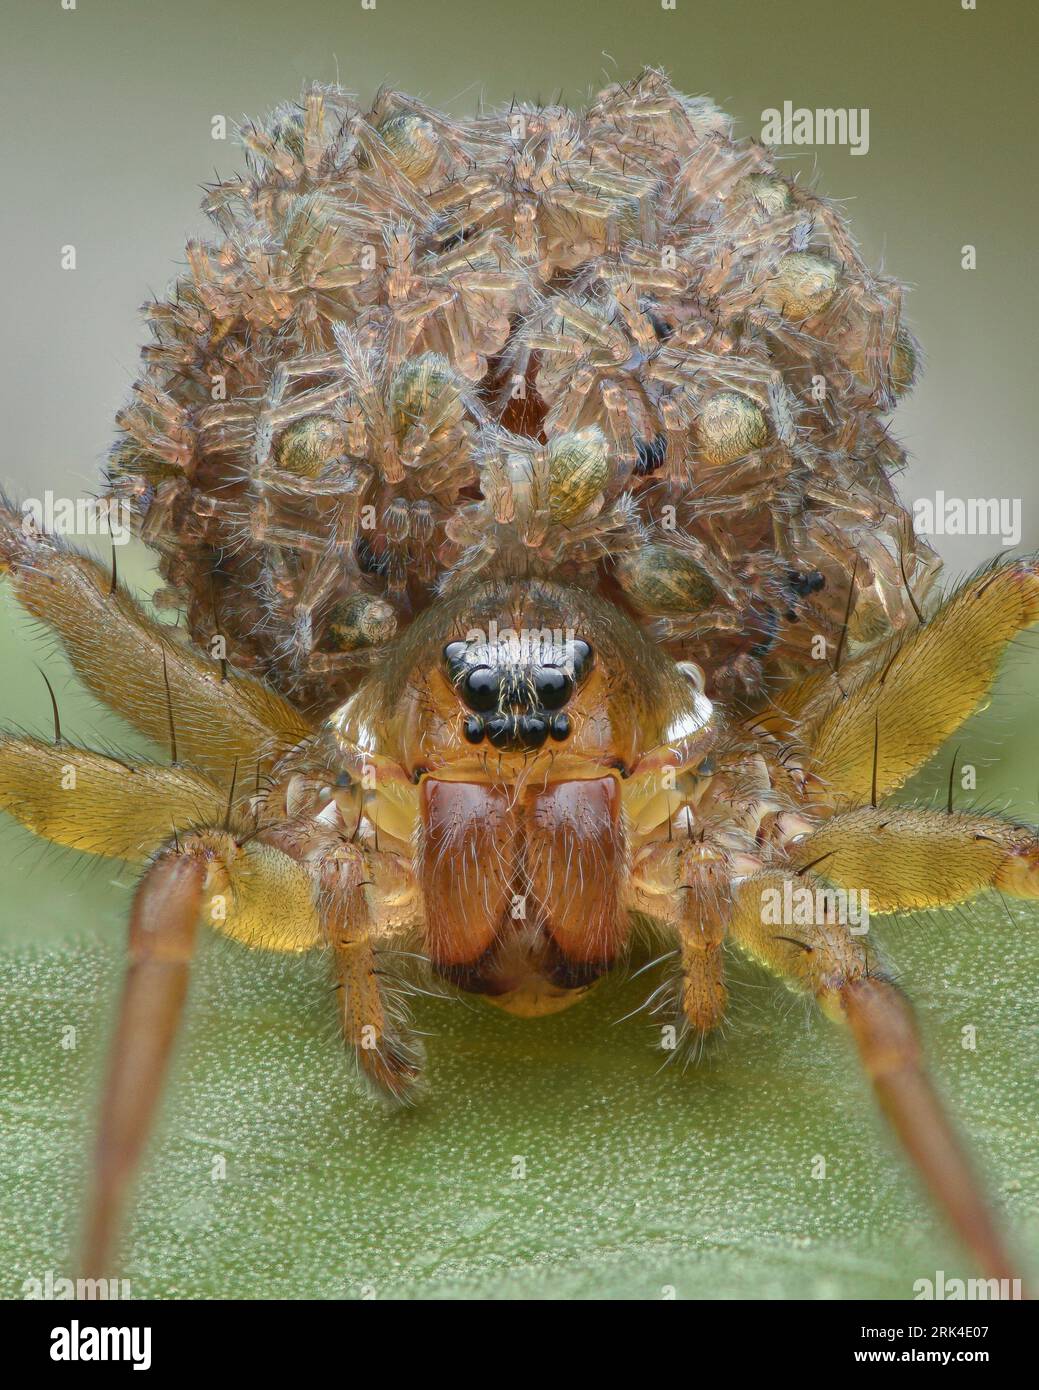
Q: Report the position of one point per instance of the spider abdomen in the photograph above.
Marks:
(614, 348)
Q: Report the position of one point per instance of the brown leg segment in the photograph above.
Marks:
(163, 926)
(373, 1017)
(826, 960)
(882, 1024)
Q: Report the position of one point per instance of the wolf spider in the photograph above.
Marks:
(523, 745)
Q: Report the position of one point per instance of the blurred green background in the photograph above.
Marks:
(638, 1182)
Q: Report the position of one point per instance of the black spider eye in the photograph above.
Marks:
(454, 654)
(531, 731)
(805, 582)
(581, 657)
(481, 689)
(661, 327)
(552, 687)
(560, 727)
(473, 729)
(501, 730)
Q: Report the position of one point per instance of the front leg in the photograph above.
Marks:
(684, 885)
(877, 720)
(366, 900)
(138, 667)
(910, 858)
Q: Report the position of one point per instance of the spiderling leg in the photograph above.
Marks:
(826, 960)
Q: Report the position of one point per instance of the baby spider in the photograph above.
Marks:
(474, 682)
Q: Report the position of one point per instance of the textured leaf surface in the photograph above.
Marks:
(635, 1180)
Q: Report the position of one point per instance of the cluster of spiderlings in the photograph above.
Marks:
(614, 347)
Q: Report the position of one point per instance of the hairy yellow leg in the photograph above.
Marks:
(776, 919)
(821, 957)
(374, 1020)
(704, 997)
(907, 699)
(96, 804)
(127, 660)
(910, 858)
(252, 892)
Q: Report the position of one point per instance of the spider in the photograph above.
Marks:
(533, 633)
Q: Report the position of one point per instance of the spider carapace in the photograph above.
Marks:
(519, 753)
(523, 486)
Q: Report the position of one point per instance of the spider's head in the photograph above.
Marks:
(513, 677)
(516, 732)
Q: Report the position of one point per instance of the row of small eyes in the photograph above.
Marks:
(511, 731)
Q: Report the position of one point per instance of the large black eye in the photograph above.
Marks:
(481, 689)
(454, 655)
(553, 687)
(581, 656)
